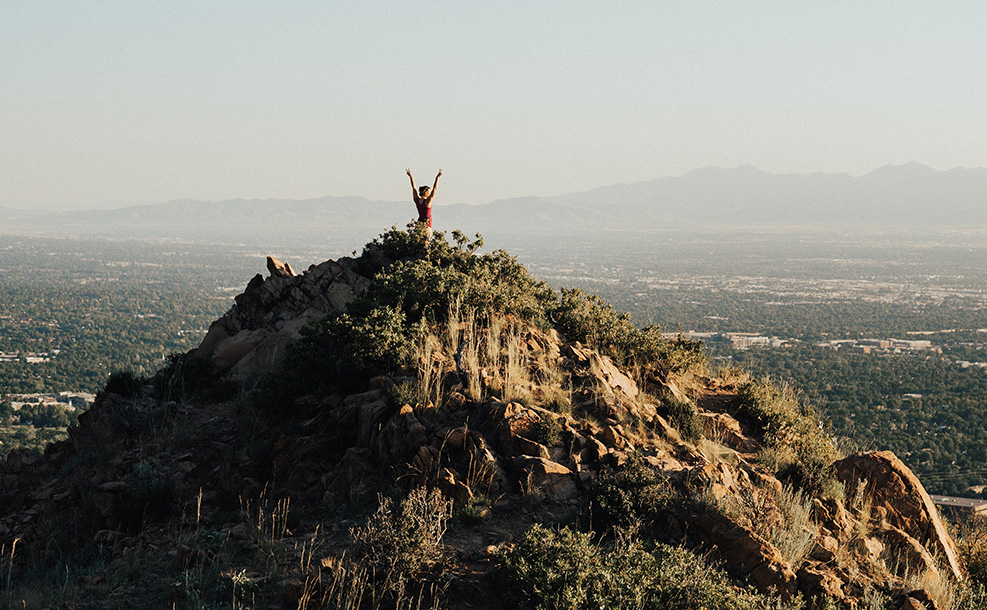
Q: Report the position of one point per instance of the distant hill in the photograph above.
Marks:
(711, 197)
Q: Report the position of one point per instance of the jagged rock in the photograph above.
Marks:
(825, 549)
(909, 551)
(456, 438)
(608, 373)
(667, 466)
(911, 603)
(548, 477)
(350, 474)
(484, 466)
(746, 554)
(455, 401)
(820, 582)
(512, 421)
(665, 429)
(872, 548)
(613, 436)
(274, 310)
(727, 430)
(400, 438)
(370, 418)
(893, 487)
(454, 487)
(299, 463)
(530, 448)
(279, 269)
(920, 599)
(594, 451)
(422, 463)
(834, 514)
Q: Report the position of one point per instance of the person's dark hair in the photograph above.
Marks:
(423, 191)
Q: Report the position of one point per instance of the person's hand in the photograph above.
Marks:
(439, 174)
(408, 171)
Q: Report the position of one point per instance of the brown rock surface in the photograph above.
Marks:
(893, 487)
(273, 311)
(747, 554)
(278, 268)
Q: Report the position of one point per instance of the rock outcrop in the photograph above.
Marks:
(271, 312)
(902, 503)
(137, 468)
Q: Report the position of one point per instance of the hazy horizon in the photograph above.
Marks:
(113, 205)
(112, 103)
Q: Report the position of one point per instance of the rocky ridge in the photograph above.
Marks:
(145, 473)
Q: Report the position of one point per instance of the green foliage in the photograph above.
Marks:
(358, 347)
(185, 377)
(563, 569)
(429, 274)
(972, 543)
(548, 430)
(106, 306)
(378, 330)
(940, 432)
(28, 437)
(635, 496)
(124, 383)
(685, 417)
(415, 242)
(587, 318)
(785, 423)
(398, 545)
(150, 494)
(970, 596)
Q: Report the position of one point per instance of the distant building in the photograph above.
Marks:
(960, 508)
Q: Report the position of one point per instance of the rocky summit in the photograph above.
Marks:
(423, 426)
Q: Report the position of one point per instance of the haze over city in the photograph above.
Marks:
(108, 104)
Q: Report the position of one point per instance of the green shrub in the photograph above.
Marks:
(785, 423)
(563, 569)
(150, 494)
(185, 377)
(972, 543)
(549, 569)
(685, 417)
(380, 326)
(548, 430)
(400, 545)
(358, 348)
(635, 496)
(587, 318)
(969, 596)
(424, 281)
(124, 383)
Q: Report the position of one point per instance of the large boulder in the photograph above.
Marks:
(895, 490)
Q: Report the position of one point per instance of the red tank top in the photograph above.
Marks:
(424, 213)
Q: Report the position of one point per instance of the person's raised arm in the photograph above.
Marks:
(408, 171)
(436, 184)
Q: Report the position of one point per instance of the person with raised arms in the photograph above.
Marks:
(423, 196)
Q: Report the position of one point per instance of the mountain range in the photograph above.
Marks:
(910, 195)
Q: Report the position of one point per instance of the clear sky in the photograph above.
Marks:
(118, 102)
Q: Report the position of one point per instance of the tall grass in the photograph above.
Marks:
(517, 379)
(783, 519)
(430, 358)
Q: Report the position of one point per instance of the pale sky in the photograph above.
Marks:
(122, 102)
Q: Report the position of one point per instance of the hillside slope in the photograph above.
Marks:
(424, 426)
